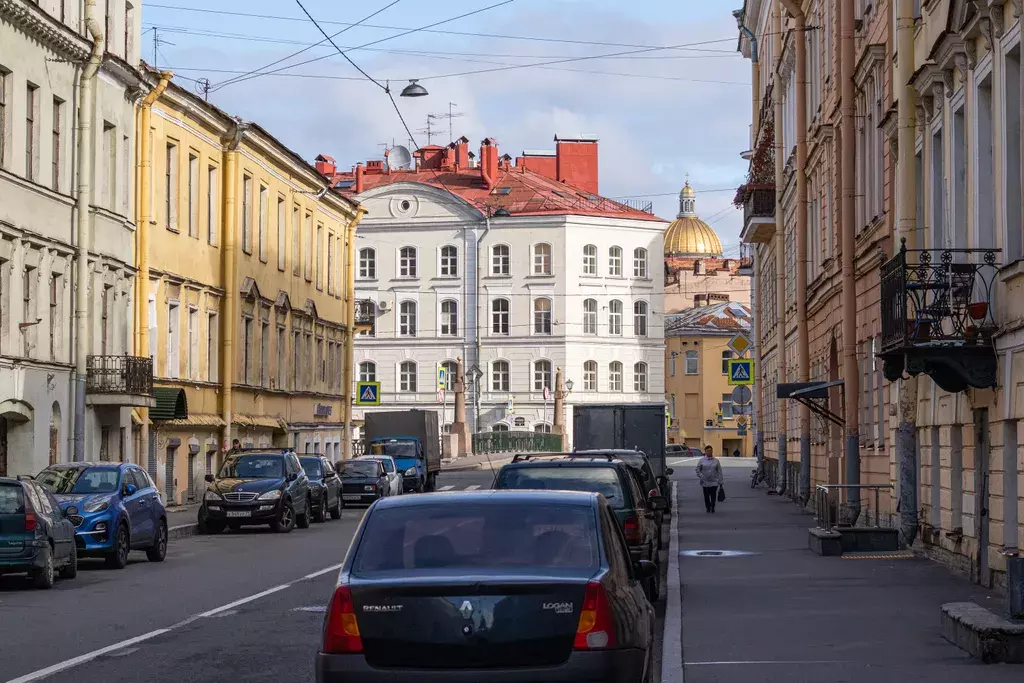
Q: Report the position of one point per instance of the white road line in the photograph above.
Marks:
(89, 656)
(768, 661)
(684, 461)
(445, 488)
(473, 487)
(672, 647)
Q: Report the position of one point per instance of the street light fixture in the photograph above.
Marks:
(414, 89)
(568, 385)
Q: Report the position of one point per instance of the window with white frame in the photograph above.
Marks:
(449, 318)
(615, 261)
(691, 363)
(262, 226)
(501, 260)
(449, 261)
(727, 356)
(501, 376)
(726, 406)
(451, 372)
(542, 428)
(542, 375)
(640, 263)
(640, 318)
(640, 377)
(367, 371)
(500, 316)
(542, 259)
(499, 427)
(407, 319)
(367, 263)
(590, 260)
(542, 316)
(407, 377)
(407, 262)
(590, 375)
(590, 316)
(615, 317)
(615, 376)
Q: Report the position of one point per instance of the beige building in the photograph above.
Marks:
(917, 138)
(245, 248)
(700, 400)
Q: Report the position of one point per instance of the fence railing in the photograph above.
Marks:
(119, 375)
(516, 442)
(831, 512)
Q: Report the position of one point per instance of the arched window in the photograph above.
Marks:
(615, 317)
(449, 261)
(727, 356)
(542, 259)
(640, 377)
(367, 263)
(590, 375)
(640, 318)
(615, 261)
(500, 316)
(640, 262)
(367, 371)
(691, 363)
(449, 318)
(451, 370)
(501, 376)
(407, 377)
(541, 375)
(590, 316)
(542, 428)
(615, 376)
(499, 427)
(501, 260)
(590, 260)
(542, 316)
(407, 319)
(407, 262)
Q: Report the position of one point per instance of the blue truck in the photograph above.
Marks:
(412, 438)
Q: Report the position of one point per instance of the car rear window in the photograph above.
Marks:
(312, 467)
(12, 499)
(469, 537)
(603, 480)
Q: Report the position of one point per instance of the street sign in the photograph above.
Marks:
(442, 378)
(741, 395)
(740, 344)
(511, 407)
(368, 393)
(547, 393)
(741, 372)
(741, 421)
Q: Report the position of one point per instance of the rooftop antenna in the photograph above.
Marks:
(430, 132)
(157, 42)
(450, 115)
(203, 88)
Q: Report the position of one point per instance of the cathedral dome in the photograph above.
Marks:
(688, 235)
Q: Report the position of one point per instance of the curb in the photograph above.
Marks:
(461, 468)
(182, 531)
(672, 645)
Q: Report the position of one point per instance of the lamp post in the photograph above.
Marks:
(414, 89)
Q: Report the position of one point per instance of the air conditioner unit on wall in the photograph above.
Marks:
(383, 306)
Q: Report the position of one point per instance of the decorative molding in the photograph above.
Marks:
(34, 22)
(873, 55)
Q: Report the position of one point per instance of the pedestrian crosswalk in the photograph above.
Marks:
(450, 487)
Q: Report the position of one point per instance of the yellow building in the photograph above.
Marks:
(244, 314)
(700, 399)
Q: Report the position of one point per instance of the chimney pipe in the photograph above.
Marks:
(359, 178)
(489, 163)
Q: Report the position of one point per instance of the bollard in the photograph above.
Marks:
(1015, 587)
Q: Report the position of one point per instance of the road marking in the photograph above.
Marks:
(325, 570)
(445, 488)
(311, 608)
(684, 461)
(473, 487)
(767, 661)
(672, 647)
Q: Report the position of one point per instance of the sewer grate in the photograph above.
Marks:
(715, 553)
(710, 553)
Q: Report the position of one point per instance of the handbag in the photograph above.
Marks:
(721, 493)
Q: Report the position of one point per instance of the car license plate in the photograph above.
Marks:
(352, 496)
(239, 513)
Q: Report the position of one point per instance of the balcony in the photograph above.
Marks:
(366, 315)
(746, 259)
(119, 381)
(937, 316)
(758, 213)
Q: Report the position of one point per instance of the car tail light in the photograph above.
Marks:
(596, 629)
(631, 530)
(653, 493)
(341, 633)
(30, 521)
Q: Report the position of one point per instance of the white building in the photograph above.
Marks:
(513, 271)
(43, 49)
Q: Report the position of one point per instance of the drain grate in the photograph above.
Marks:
(710, 553)
(715, 553)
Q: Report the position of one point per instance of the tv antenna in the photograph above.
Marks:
(157, 42)
(430, 131)
(450, 115)
(203, 88)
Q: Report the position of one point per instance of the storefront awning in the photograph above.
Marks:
(264, 421)
(198, 420)
(170, 404)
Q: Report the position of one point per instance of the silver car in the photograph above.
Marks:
(394, 475)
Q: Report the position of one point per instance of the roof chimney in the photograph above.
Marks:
(325, 165)
(462, 153)
(359, 178)
(540, 161)
(489, 162)
(576, 161)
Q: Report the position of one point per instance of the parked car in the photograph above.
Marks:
(116, 509)
(488, 585)
(611, 478)
(362, 481)
(676, 450)
(641, 466)
(257, 486)
(35, 536)
(325, 487)
(391, 469)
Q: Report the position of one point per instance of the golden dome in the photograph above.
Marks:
(688, 234)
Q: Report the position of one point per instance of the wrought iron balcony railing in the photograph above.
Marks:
(366, 312)
(937, 315)
(131, 375)
(516, 442)
(760, 202)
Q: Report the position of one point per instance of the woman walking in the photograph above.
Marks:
(709, 472)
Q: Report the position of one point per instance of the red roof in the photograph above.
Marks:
(518, 190)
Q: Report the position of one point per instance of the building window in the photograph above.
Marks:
(449, 262)
(192, 359)
(407, 376)
(590, 260)
(212, 352)
(330, 263)
(725, 407)
(171, 187)
(542, 375)
(640, 318)
(615, 261)
(590, 316)
(615, 317)
(264, 369)
(247, 214)
(263, 224)
(640, 263)
(367, 371)
(407, 319)
(55, 299)
(193, 195)
(296, 359)
(499, 427)
(615, 376)
(726, 357)
(247, 350)
(58, 110)
(542, 316)
(110, 162)
(211, 204)
(173, 338)
(29, 307)
(542, 259)
(449, 318)
(500, 316)
(451, 372)
(691, 362)
(590, 375)
(31, 131)
(296, 241)
(501, 260)
(407, 262)
(282, 353)
(501, 376)
(640, 377)
(542, 428)
(320, 256)
(282, 234)
(367, 263)
(307, 254)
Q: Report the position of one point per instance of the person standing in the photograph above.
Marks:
(709, 472)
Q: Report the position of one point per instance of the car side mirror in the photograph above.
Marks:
(659, 503)
(130, 489)
(209, 478)
(645, 569)
(669, 472)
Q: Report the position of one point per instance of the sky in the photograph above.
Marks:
(660, 114)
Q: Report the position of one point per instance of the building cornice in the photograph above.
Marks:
(873, 56)
(31, 20)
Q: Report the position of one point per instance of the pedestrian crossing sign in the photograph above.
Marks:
(741, 372)
(368, 394)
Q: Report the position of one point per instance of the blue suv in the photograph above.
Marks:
(115, 508)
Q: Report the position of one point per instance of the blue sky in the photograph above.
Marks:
(659, 114)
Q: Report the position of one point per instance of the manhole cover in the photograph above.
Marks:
(714, 553)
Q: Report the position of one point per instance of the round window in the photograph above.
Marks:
(406, 205)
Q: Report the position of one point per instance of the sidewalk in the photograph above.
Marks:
(778, 612)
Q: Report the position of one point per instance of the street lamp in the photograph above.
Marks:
(568, 385)
(414, 89)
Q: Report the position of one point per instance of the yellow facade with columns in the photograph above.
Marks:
(246, 305)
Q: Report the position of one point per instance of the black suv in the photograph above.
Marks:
(257, 486)
(598, 474)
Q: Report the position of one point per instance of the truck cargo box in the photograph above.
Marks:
(639, 426)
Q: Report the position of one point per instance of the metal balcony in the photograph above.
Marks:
(366, 315)
(758, 213)
(937, 316)
(119, 381)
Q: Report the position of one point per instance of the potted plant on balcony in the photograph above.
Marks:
(761, 174)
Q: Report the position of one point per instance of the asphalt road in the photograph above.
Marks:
(237, 606)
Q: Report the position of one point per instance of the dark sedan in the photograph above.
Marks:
(324, 487)
(503, 586)
(362, 481)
